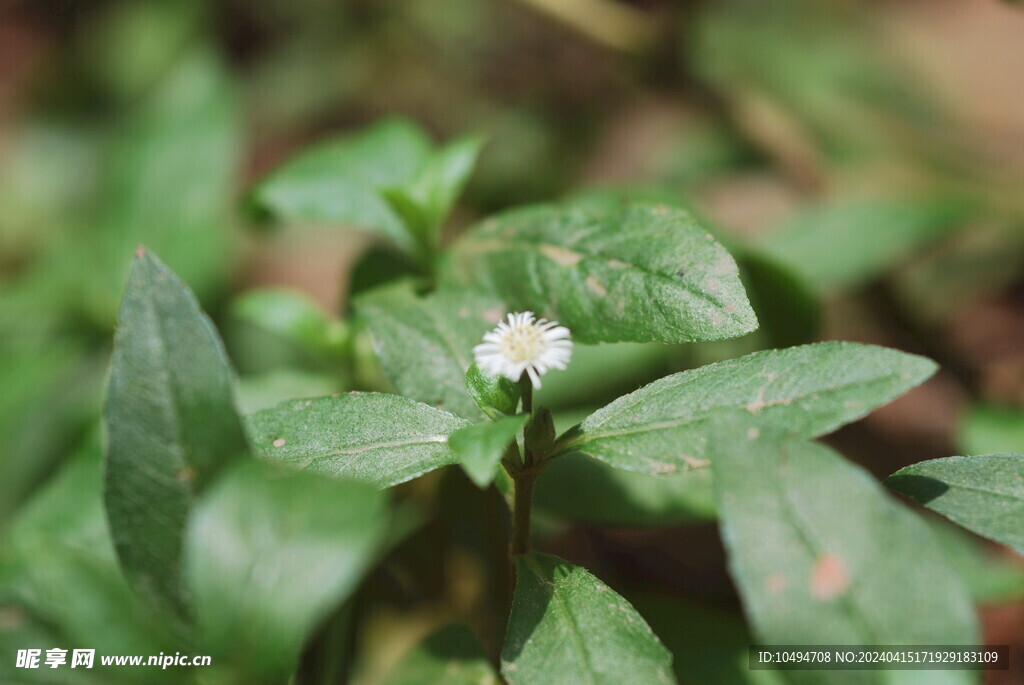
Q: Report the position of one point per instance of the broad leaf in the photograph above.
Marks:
(841, 246)
(270, 555)
(495, 395)
(788, 308)
(481, 446)
(641, 273)
(339, 181)
(425, 344)
(992, 430)
(821, 555)
(812, 389)
(984, 494)
(578, 488)
(293, 316)
(373, 437)
(170, 424)
(568, 627)
(449, 656)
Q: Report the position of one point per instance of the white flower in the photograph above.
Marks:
(524, 344)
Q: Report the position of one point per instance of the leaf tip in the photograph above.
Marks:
(917, 369)
(921, 488)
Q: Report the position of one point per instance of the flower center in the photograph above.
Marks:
(524, 344)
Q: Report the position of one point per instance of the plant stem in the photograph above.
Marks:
(523, 479)
(521, 512)
(526, 392)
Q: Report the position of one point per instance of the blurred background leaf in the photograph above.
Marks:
(992, 430)
(60, 577)
(269, 555)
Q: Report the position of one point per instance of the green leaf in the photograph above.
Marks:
(984, 494)
(380, 265)
(339, 181)
(708, 645)
(568, 627)
(274, 387)
(959, 271)
(128, 47)
(170, 423)
(641, 273)
(372, 437)
(600, 373)
(992, 430)
(168, 183)
(30, 632)
(58, 563)
(425, 201)
(803, 99)
(992, 576)
(47, 176)
(50, 391)
(813, 389)
(496, 396)
(789, 311)
(540, 432)
(442, 180)
(840, 246)
(481, 446)
(425, 344)
(582, 489)
(414, 217)
(449, 656)
(788, 308)
(293, 316)
(269, 555)
(821, 555)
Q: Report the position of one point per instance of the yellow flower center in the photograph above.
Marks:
(524, 344)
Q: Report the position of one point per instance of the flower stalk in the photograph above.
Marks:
(524, 480)
(523, 349)
(521, 508)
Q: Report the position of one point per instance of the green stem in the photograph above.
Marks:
(524, 481)
(526, 392)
